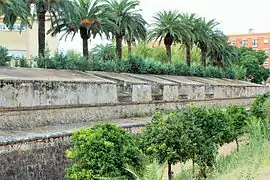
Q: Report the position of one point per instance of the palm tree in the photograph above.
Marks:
(204, 30)
(87, 17)
(14, 9)
(129, 24)
(189, 20)
(139, 33)
(43, 7)
(167, 27)
(220, 52)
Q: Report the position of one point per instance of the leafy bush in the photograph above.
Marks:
(266, 120)
(256, 108)
(23, 62)
(102, 151)
(236, 117)
(252, 61)
(132, 64)
(164, 138)
(104, 52)
(4, 57)
(179, 135)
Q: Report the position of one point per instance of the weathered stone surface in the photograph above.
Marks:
(166, 90)
(187, 89)
(15, 120)
(42, 158)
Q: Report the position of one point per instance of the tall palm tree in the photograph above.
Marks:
(87, 17)
(204, 29)
(43, 7)
(14, 9)
(189, 20)
(167, 27)
(220, 52)
(129, 24)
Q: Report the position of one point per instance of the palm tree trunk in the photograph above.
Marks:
(203, 58)
(119, 46)
(129, 47)
(168, 52)
(41, 32)
(188, 56)
(85, 48)
(85, 37)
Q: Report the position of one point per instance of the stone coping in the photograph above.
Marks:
(51, 75)
(6, 109)
(179, 79)
(118, 77)
(151, 78)
(101, 77)
(12, 137)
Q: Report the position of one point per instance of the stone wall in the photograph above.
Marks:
(42, 158)
(41, 93)
(31, 118)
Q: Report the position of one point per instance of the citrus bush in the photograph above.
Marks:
(102, 152)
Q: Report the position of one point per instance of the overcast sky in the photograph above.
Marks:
(235, 16)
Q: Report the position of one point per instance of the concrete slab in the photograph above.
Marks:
(38, 74)
(204, 80)
(178, 79)
(151, 78)
(117, 77)
(243, 83)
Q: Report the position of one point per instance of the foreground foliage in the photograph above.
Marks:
(102, 151)
(172, 136)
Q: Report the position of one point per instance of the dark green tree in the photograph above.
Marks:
(164, 139)
(236, 120)
(253, 61)
(129, 23)
(87, 17)
(168, 27)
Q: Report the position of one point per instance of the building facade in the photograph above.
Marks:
(25, 43)
(256, 41)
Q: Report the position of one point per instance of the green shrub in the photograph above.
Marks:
(23, 62)
(206, 130)
(132, 64)
(4, 57)
(102, 151)
(164, 138)
(104, 52)
(236, 117)
(256, 108)
(266, 120)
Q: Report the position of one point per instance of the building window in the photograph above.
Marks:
(255, 43)
(266, 51)
(244, 43)
(16, 27)
(233, 42)
(17, 53)
(265, 41)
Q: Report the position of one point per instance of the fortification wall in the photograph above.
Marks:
(40, 108)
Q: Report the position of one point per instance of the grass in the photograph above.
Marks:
(246, 164)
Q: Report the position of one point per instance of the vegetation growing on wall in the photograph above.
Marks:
(172, 136)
